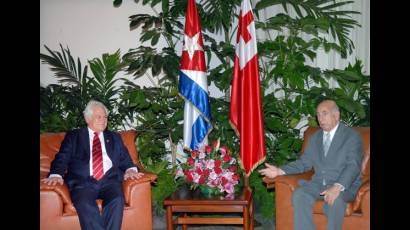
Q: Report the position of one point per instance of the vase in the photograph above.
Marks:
(206, 191)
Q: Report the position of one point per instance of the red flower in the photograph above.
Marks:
(206, 173)
(224, 180)
(218, 170)
(227, 158)
(232, 168)
(217, 163)
(208, 149)
(235, 177)
(194, 153)
(191, 161)
(198, 170)
(188, 176)
(201, 180)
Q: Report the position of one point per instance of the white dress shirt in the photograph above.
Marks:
(107, 163)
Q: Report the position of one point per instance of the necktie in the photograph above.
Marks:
(98, 171)
(326, 143)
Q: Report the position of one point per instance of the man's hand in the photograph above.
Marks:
(270, 171)
(132, 174)
(331, 194)
(53, 180)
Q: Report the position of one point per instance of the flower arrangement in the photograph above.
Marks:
(211, 168)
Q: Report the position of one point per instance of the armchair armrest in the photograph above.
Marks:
(363, 192)
(129, 184)
(62, 191)
(289, 180)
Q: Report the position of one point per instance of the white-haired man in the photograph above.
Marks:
(94, 162)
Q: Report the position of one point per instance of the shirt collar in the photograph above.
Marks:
(91, 133)
(331, 132)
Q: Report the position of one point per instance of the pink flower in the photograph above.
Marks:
(202, 155)
(180, 172)
(213, 176)
(224, 149)
(229, 188)
(210, 164)
(230, 196)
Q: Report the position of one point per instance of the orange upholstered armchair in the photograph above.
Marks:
(56, 208)
(357, 216)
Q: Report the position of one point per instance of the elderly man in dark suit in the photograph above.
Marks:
(335, 153)
(93, 163)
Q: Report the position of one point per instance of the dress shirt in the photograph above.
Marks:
(331, 132)
(107, 163)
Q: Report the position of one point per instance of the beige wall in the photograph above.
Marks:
(88, 27)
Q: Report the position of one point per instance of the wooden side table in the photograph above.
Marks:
(187, 201)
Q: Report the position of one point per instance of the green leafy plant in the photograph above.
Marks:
(61, 105)
(290, 88)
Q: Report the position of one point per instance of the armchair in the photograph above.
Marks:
(357, 215)
(56, 208)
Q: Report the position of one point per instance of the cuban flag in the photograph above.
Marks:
(193, 85)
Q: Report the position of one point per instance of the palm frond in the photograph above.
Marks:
(64, 67)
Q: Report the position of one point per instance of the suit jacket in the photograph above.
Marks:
(73, 159)
(341, 165)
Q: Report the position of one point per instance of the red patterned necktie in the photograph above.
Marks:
(98, 171)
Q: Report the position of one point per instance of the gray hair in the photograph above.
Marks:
(88, 111)
(334, 108)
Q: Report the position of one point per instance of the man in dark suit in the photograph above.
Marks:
(335, 153)
(93, 163)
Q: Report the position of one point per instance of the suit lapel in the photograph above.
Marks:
(108, 144)
(337, 139)
(85, 142)
(320, 143)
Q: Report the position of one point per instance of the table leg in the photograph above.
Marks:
(245, 217)
(184, 226)
(251, 212)
(169, 218)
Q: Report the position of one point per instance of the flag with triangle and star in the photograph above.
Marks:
(193, 85)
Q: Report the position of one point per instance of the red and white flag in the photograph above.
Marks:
(246, 105)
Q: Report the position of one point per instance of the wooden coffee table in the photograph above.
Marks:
(186, 201)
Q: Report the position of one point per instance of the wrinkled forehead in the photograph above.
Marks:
(325, 106)
(98, 110)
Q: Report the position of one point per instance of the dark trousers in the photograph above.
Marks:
(84, 197)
